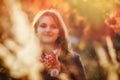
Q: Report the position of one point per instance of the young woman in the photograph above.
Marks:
(57, 55)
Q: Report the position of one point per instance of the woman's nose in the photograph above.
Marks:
(47, 28)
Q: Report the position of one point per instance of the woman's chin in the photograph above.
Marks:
(47, 41)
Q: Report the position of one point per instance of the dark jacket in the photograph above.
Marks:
(71, 65)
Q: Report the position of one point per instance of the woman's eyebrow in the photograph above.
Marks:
(43, 23)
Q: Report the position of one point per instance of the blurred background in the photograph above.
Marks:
(88, 22)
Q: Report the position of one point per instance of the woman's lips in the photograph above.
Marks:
(48, 34)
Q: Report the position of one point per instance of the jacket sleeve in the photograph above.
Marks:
(80, 67)
(72, 66)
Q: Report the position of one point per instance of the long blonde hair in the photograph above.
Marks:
(63, 39)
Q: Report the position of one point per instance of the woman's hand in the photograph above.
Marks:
(111, 64)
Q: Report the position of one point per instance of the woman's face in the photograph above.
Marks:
(47, 30)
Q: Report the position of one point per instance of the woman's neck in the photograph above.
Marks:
(48, 48)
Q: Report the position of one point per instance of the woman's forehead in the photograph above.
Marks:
(47, 18)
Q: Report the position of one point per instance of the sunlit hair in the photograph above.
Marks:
(63, 39)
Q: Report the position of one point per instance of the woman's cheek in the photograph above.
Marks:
(39, 29)
(57, 32)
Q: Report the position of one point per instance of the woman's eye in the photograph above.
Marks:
(53, 26)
